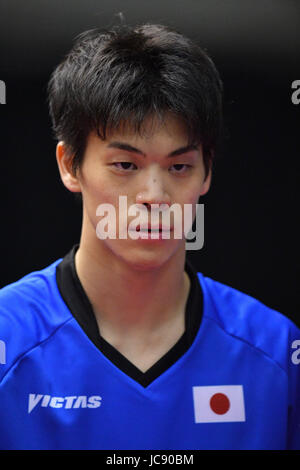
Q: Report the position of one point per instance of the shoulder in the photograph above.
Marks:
(31, 310)
(249, 320)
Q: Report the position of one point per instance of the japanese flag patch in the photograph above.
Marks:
(219, 403)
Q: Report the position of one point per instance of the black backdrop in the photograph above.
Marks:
(251, 211)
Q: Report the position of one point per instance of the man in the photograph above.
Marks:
(121, 344)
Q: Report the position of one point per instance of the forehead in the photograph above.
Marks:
(169, 128)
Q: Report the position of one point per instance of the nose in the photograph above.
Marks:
(153, 191)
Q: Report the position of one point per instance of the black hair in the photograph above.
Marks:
(125, 74)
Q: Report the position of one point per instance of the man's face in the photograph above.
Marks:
(141, 168)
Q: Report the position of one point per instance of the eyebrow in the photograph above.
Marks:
(129, 148)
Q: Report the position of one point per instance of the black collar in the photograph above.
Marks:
(77, 301)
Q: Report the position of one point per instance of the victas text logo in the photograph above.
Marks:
(70, 402)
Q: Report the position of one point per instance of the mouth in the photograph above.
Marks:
(159, 229)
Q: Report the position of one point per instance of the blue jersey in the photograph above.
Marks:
(232, 381)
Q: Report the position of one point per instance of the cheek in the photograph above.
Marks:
(99, 191)
(191, 199)
(192, 194)
(96, 191)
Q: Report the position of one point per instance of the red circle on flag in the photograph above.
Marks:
(219, 403)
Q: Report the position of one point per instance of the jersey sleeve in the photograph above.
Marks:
(20, 325)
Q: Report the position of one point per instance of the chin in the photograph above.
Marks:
(148, 260)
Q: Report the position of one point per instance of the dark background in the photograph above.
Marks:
(251, 211)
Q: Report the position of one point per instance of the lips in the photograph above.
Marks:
(148, 228)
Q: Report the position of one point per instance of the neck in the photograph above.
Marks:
(126, 299)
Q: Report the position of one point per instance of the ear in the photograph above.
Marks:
(64, 162)
(206, 183)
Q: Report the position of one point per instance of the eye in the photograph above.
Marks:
(123, 164)
(180, 166)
